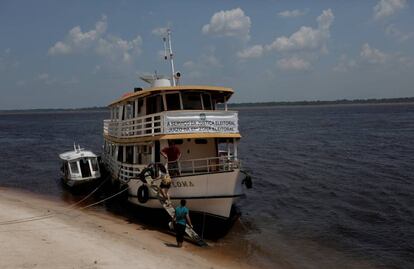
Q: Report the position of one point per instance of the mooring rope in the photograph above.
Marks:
(68, 209)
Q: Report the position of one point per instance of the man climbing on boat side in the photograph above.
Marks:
(165, 187)
(181, 218)
(172, 153)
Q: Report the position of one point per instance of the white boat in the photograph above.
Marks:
(79, 166)
(142, 122)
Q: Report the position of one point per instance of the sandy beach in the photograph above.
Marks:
(88, 239)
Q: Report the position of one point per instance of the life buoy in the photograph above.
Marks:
(143, 194)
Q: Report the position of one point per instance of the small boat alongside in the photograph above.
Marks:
(79, 166)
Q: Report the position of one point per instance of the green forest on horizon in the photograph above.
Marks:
(251, 104)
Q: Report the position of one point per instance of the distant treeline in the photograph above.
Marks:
(258, 104)
(318, 102)
(47, 110)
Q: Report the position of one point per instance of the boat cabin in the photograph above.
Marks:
(194, 117)
(79, 166)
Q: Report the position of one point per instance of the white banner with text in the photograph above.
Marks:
(201, 122)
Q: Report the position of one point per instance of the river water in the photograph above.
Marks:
(333, 185)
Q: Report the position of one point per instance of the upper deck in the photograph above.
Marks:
(219, 94)
(168, 112)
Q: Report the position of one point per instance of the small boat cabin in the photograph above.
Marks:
(79, 166)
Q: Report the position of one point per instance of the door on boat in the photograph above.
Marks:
(85, 168)
(157, 151)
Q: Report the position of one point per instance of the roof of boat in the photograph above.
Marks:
(147, 91)
(76, 154)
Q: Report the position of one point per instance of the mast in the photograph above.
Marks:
(165, 39)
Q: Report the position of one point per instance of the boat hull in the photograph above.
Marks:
(79, 182)
(212, 193)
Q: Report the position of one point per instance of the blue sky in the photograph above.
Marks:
(70, 54)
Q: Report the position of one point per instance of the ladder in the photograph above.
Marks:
(171, 211)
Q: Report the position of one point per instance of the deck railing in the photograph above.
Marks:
(136, 127)
(202, 166)
(172, 122)
(183, 168)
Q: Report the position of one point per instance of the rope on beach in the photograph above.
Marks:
(68, 209)
(106, 199)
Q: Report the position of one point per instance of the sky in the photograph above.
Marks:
(73, 54)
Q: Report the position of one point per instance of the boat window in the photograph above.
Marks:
(122, 112)
(120, 154)
(94, 163)
(145, 149)
(192, 100)
(142, 154)
(223, 140)
(129, 111)
(200, 141)
(140, 105)
(178, 141)
(173, 101)
(74, 167)
(154, 104)
(118, 112)
(207, 101)
(113, 147)
(129, 154)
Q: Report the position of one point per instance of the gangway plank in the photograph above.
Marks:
(171, 211)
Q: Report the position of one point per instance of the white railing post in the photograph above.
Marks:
(192, 164)
(162, 117)
(152, 125)
(235, 144)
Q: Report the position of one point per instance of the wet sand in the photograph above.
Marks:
(89, 239)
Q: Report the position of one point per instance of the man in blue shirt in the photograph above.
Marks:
(181, 218)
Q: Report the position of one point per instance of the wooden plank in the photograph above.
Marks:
(188, 229)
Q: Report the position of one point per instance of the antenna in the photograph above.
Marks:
(170, 54)
(165, 48)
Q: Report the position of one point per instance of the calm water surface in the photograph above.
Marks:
(333, 185)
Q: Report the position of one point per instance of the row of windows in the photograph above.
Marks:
(156, 104)
(74, 165)
(125, 154)
(196, 141)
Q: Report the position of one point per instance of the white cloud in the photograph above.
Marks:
(232, 23)
(255, 51)
(45, 78)
(372, 55)
(386, 8)
(160, 31)
(71, 81)
(7, 60)
(306, 38)
(97, 40)
(60, 48)
(345, 64)
(77, 40)
(406, 61)
(393, 31)
(293, 64)
(291, 13)
(203, 66)
(114, 48)
(96, 69)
